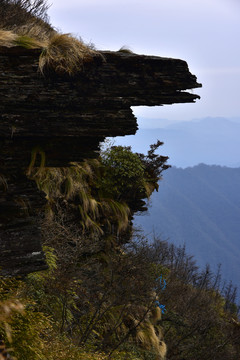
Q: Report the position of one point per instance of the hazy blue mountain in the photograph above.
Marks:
(208, 140)
(200, 206)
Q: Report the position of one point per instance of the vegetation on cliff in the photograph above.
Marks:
(99, 292)
(107, 293)
(25, 23)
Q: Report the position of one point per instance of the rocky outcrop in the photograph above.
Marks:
(63, 119)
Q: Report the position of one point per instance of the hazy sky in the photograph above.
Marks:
(205, 33)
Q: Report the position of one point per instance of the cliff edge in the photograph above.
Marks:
(53, 119)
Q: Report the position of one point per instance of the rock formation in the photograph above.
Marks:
(59, 119)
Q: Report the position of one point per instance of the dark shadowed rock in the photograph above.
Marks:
(65, 118)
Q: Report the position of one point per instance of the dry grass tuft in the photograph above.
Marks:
(119, 211)
(149, 334)
(156, 315)
(65, 54)
(25, 23)
(73, 184)
(60, 52)
(162, 350)
(149, 339)
(7, 38)
(28, 42)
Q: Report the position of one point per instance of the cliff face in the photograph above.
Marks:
(60, 119)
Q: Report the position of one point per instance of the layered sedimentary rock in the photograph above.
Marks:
(63, 119)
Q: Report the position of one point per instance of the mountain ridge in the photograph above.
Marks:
(199, 206)
(207, 140)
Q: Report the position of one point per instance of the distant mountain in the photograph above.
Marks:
(200, 206)
(208, 140)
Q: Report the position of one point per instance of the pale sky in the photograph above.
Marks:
(205, 33)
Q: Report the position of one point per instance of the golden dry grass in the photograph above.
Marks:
(7, 38)
(149, 334)
(155, 315)
(65, 54)
(61, 53)
(74, 183)
(28, 42)
(149, 339)
(162, 350)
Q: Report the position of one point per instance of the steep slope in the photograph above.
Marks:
(200, 206)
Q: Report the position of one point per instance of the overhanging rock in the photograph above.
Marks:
(65, 118)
